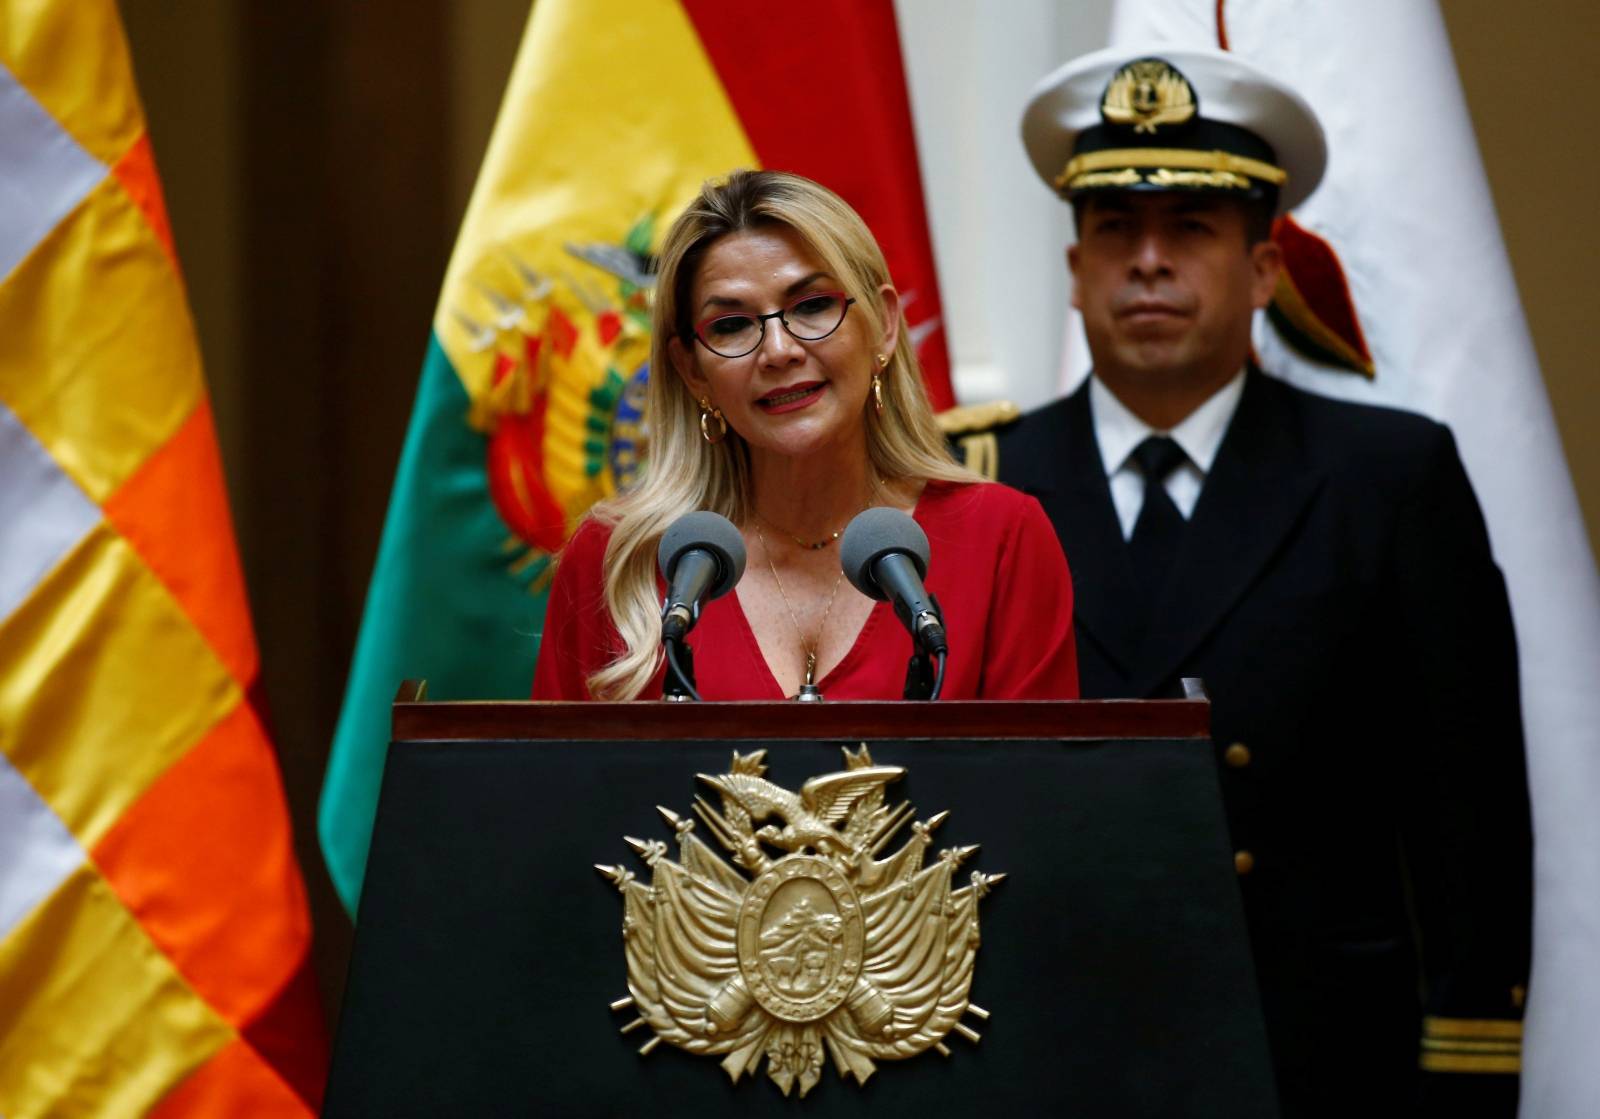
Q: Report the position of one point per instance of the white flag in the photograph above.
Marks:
(1406, 207)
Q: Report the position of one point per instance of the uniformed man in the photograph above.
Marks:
(1322, 566)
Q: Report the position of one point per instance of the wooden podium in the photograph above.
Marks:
(1114, 963)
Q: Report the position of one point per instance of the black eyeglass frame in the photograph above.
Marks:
(781, 314)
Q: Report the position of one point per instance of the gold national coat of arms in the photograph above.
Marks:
(801, 939)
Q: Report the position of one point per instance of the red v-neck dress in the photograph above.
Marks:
(995, 566)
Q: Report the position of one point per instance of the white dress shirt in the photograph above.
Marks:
(1118, 431)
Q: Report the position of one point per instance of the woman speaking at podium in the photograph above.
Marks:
(785, 396)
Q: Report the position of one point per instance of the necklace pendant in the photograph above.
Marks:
(811, 668)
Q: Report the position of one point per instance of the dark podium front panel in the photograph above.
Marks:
(1114, 961)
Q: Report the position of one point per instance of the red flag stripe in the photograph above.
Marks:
(205, 861)
(834, 107)
(174, 511)
(136, 171)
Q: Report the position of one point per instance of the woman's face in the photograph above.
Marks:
(786, 397)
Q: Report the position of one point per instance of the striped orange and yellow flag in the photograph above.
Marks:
(154, 935)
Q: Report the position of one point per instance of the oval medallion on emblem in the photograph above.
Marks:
(800, 938)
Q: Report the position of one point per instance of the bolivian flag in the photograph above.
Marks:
(529, 406)
(153, 926)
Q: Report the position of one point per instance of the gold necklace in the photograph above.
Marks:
(808, 545)
(818, 545)
(810, 649)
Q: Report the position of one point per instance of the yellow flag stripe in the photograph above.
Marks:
(597, 131)
(96, 315)
(104, 683)
(93, 99)
(97, 1021)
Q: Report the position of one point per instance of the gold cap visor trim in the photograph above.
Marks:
(1174, 167)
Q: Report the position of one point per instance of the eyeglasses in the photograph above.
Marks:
(810, 318)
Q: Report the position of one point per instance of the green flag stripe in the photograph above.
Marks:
(443, 605)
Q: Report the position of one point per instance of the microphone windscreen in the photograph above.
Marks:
(709, 532)
(874, 534)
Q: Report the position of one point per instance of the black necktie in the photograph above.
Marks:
(1156, 533)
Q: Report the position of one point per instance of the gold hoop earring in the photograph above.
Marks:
(877, 383)
(707, 415)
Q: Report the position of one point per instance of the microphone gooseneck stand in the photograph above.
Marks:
(678, 687)
(923, 679)
(929, 651)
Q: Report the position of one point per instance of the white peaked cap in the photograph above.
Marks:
(1176, 154)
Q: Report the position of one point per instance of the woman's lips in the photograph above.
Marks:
(792, 398)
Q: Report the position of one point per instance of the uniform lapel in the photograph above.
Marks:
(1253, 498)
(1071, 485)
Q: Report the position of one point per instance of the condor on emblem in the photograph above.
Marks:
(823, 947)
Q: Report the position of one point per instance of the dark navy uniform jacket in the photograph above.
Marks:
(1336, 593)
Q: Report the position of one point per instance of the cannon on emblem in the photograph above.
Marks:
(728, 1006)
(870, 1008)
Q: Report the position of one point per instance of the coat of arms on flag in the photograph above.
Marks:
(563, 408)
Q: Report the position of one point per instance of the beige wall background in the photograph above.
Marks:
(317, 159)
(1520, 65)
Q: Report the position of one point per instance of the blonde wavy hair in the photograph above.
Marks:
(684, 473)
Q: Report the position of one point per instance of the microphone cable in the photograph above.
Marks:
(675, 669)
(938, 676)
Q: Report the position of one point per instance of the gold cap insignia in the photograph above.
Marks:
(1147, 94)
(824, 948)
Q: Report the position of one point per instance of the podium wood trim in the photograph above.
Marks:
(419, 720)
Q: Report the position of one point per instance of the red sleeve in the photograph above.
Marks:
(1033, 653)
(578, 633)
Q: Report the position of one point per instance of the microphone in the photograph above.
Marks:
(885, 556)
(701, 558)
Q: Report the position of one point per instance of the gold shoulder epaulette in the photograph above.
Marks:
(976, 417)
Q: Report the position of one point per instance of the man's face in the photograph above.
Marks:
(1167, 284)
